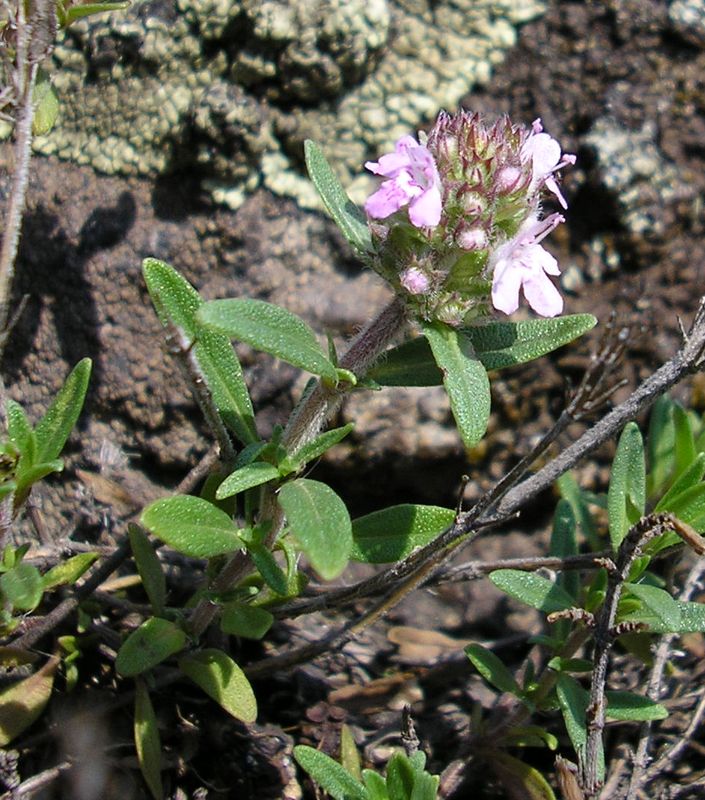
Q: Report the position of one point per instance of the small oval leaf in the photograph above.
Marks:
(154, 641)
(320, 524)
(221, 679)
(531, 589)
(246, 477)
(192, 526)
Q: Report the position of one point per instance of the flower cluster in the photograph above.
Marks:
(460, 222)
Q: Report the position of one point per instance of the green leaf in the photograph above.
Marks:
(393, 533)
(329, 775)
(31, 474)
(247, 477)
(175, 300)
(630, 706)
(221, 679)
(246, 621)
(22, 587)
(147, 741)
(192, 526)
(375, 785)
(320, 445)
(520, 779)
(400, 777)
(573, 700)
(684, 451)
(275, 330)
(492, 669)
(464, 378)
(659, 602)
(72, 13)
(503, 344)
(564, 543)
(689, 477)
(349, 755)
(68, 571)
(409, 364)
(496, 344)
(54, 428)
(692, 619)
(149, 567)
(46, 105)
(534, 590)
(689, 506)
(271, 572)
(626, 497)
(23, 702)
(320, 523)
(660, 442)
(154, 641)
(346, 215)
(20, 431)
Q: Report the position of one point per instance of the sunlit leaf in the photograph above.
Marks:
(635, 707)
(272, 329)
(393, 533)
(534, 590)
(346, 215)
(329, 775)
(69, 571)
(222, 680)
(192, 526)
(246, 477)
(320, 523)
(176, 301)
(626, 497)
(22, 587)
(54, 428)
(22, 703)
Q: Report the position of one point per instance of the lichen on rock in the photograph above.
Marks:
(231, 88)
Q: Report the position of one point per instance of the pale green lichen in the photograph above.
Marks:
(233, 87)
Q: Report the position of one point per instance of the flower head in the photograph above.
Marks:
(522, 263)
(472, 237)
(413, 181)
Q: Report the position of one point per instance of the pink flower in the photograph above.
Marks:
(414, 281)
(544, 152)
(521, 263)
(413, 181)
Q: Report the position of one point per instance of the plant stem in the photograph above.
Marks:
(304, 425)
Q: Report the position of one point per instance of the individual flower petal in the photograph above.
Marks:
(425, 210)
(544, 152)
(414, 181)
(523, 264)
